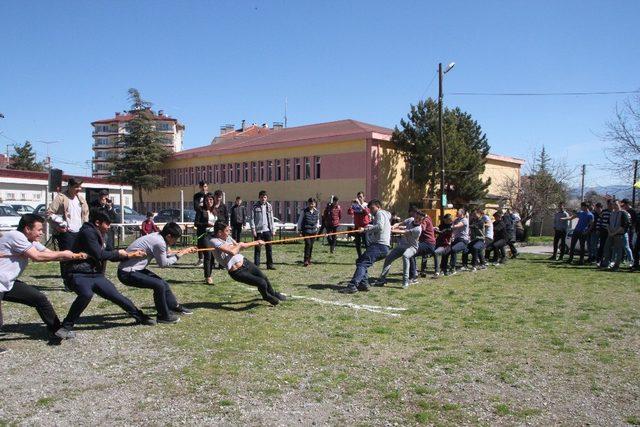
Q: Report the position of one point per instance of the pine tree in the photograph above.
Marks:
(25, 159)
(542, 162)
(466, 148)
(141, 151)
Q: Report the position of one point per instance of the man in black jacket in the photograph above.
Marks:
(87, 277)
(198, 203)
(105, 205)
(238, 218)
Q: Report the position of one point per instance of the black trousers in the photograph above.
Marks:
(559, 237)
(267, 236)
(497, 247)
(360, 241)
(236, 232)
(65, 242)
(575, 238)
(636, 252)
(602, 236)
(308, 247)
(512, 247)
(250, 274)
(332, 240)
(163, 298)
(22, 293)
(85, 285)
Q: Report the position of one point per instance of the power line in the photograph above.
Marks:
(627, 92)
(429, 85)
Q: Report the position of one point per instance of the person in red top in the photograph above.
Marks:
(331, 220)
(148, 226)
(426, 247)
(361, 218)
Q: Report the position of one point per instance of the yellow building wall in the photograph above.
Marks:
(501, 174)
(292, 190)
(395, 188)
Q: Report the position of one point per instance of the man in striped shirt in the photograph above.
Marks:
(601, 227)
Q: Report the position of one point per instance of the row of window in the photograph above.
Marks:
(257, 171)
(285, 211)
(31, 196)
(160, 126)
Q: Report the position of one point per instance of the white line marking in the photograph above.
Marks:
(371, 308)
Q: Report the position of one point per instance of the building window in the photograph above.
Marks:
(296, 169)
(287, 171)
(269, 170)
(229, 172)
(287, 211)
(245, 172)
(317, 167)
(254, 175)
(209, 174)
(238, 178)
(261, 171)
(307, 168)
(163, 127)
(276, 209)
(278, 170)
(223, 174)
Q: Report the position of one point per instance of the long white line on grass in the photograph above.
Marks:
(371, 308)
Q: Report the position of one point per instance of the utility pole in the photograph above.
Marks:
(635, 179)
(582, 185)
(440, 131)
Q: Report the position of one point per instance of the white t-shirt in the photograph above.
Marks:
(14, 243)
(223, 257)
(412, 234)
(488, 230)
(75, 214)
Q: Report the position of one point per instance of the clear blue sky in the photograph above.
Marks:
(65, 64)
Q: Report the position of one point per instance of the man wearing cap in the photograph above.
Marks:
(104, 204)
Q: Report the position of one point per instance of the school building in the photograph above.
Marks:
(292, 164)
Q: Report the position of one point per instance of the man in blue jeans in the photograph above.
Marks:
(379, 237)
(580, 233)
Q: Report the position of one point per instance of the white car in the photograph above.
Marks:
(277, 225)
(9, 218)
(22, 208)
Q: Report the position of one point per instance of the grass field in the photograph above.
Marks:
(527, 343)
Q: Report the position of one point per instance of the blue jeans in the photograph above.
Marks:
(424, 249)
(456, 247)
(627, 249)
(407, 255)
(375, 252)
(592, 244)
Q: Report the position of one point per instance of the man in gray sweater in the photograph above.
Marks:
(379, 237)
(134, 272)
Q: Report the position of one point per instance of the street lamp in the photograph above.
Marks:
(441, 74)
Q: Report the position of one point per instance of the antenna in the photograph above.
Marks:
(47, 160)
(285, 111)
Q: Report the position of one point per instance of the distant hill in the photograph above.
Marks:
(620, 191)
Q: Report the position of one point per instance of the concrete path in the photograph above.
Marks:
(539, 250)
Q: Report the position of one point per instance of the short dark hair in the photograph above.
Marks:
(238, 198)
(202, 183)
(446, 216)
(219, 226)
(149, 214)
(72, 182)
(584, 205)
(217, 193)
(262, 193)
(28, 220)
(103, 193)
(334, 199)
(312, 200)
(98, 215)
(171, 229)
(375, 202)
(625, 201)
(359, 193)
(497, 213)
(598, 205)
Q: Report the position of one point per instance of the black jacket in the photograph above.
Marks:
(499, 231)
(202, 221)
(238, 214)
(107, 209)
(91, 242)
(198, 200)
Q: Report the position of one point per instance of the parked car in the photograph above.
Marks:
(22, 208)
(130, 216)
(173, 215)
(9, 218)
(277, 225)
(41, 209)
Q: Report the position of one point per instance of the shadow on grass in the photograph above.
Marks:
(50, 288)
(29, 331)
(225, 305)
(47, 276)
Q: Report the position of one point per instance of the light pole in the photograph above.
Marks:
(441, 74)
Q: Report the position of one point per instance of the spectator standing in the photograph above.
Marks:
(262, 227)
(580, 232)
(148, 226)
(198, 203)
(361, 218)
(560, 225)
(331, 220)
(308, 225)
(238, 218)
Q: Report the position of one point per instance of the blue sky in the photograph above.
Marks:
(65, 64)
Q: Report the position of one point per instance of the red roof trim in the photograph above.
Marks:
(11, 173)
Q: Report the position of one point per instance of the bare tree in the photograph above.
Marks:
(623, 135)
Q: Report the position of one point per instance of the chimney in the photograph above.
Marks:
(277, 126)
(117, 113)
(161, 113)
(243, 125)
(265, 126)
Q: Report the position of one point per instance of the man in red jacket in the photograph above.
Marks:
(361, 218)
(331, 220)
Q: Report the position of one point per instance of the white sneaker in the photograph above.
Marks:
(435, 275)
(413, 281)
(405, 285)
(200, 263)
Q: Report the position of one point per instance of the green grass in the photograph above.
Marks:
(490, 347)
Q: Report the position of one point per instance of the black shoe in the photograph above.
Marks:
(552, 258)
(171, 318)
(280, 296)
(182, 310)
(380, 282)
(270, 267)
(351, 289)
(363, 288)
(3, 350)
(143, 319)
(272, 299)
(64, 334)
(570, 260)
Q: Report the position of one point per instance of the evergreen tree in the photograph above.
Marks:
(141, 151)
(25, 159)
(466, 148)
(542, 162)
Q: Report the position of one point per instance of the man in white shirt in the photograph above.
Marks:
(17, 248)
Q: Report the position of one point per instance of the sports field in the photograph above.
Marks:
(526, 343)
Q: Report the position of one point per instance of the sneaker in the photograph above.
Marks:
(171, 318)
(65, 334)
(3, 350)
(306, 263)
(463, 268)
(280, 296)
(497, 264)
(552, 258)
(453, 272)
(413, 281)
(447, 273)
(423, 274)
(270, 267)
(435, 275)
(143, 319)
(351, 289)
(209, 281)
(362, 287)
(473, 269)
(182, 310)
(200, 263)
(482, 267)
(272, 299)
(405, 285)
(380, 282)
